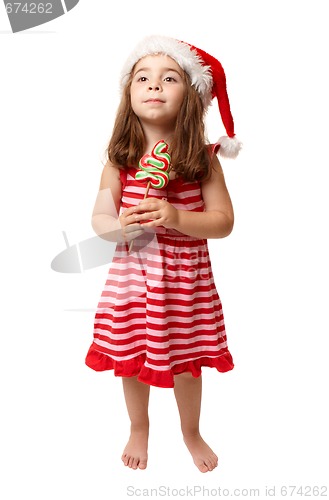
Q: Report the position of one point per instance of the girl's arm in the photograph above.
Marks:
(215, 222)
(105, 219)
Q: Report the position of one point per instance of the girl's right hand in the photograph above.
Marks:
(130, 229)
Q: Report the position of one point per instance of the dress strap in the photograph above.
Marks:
(213, 149)
(123, 177)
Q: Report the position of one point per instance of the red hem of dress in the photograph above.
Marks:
(99, 361)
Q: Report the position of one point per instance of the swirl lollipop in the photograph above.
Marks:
(154, 168)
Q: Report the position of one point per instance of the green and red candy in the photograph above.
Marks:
(154, 168)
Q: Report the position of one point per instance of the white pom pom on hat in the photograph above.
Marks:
(206, 74)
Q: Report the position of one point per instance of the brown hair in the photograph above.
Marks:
(189, 155)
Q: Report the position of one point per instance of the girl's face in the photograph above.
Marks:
(157, 90)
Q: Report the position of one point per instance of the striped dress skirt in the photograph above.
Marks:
(159, 314)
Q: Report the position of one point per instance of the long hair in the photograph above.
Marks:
(189, 156)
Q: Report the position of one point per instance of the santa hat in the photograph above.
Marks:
(206, 74)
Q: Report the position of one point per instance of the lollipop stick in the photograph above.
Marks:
(145, 196)
(131, 246)
(147, 189)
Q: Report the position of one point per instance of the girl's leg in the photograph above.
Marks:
(137, 399)
(188, 391)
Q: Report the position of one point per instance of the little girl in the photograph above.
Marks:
(160, 319)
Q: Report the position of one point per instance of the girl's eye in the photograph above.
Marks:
(142, 79)
(170, 79)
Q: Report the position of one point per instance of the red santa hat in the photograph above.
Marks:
(206, 74)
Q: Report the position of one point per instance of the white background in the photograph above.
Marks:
(63, 426)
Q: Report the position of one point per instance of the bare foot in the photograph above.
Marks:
(203, 456)
(135, 453)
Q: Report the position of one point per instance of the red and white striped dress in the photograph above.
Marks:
(160, 314)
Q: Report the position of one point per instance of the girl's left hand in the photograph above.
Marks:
(157, 212)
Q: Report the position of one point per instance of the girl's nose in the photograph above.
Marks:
(155, 86)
